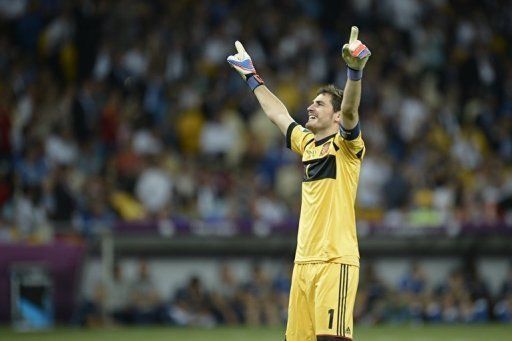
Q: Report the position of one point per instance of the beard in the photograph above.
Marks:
(311, 126)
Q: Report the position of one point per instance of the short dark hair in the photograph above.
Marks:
(336, 95)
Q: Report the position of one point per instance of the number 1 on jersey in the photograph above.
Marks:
(331, 317)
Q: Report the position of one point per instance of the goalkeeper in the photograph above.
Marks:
(326, 270)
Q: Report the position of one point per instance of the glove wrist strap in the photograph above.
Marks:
(353, 74)
(254, 80)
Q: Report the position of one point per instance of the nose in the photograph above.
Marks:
(310, 107)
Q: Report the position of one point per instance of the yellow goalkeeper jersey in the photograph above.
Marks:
(327, 227)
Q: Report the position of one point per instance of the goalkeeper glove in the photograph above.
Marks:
(356, 55)
(242, 63)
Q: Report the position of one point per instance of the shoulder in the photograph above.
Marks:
(296, 134)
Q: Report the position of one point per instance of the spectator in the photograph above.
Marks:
(154, 187)
(506, 287)
(91, 312)
(372, 293)
(33, 167)
(117, 300)
(62, 200)
(260, 308)
(282, 285)
(503, 309)
(145, 299)
(30, 215)
(413, 281)
(227, 300)
(192, 306)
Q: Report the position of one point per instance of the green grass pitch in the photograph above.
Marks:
(489, 332)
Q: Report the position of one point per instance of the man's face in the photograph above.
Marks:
(321, 114)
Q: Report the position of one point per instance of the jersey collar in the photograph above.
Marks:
(325, 139)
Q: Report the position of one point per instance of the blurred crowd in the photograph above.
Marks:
(262, 299)
(127, 110)
(259, 299)
(463, 297)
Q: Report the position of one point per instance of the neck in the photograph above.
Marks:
(327, 132)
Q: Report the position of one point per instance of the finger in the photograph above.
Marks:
(345, 52)
(239, 47)
(345, 49)
(353, 34)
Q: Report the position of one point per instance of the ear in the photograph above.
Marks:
(337, 116)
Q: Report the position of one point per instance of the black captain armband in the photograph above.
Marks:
(253, 81)
(353, 74)
(350, 134)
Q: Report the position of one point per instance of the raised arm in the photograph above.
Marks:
(271, 105)
(273, 108)
(356, 55)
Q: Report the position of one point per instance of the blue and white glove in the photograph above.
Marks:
(242, 63)
(355, 54)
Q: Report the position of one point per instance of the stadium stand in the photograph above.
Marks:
(121, 118)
